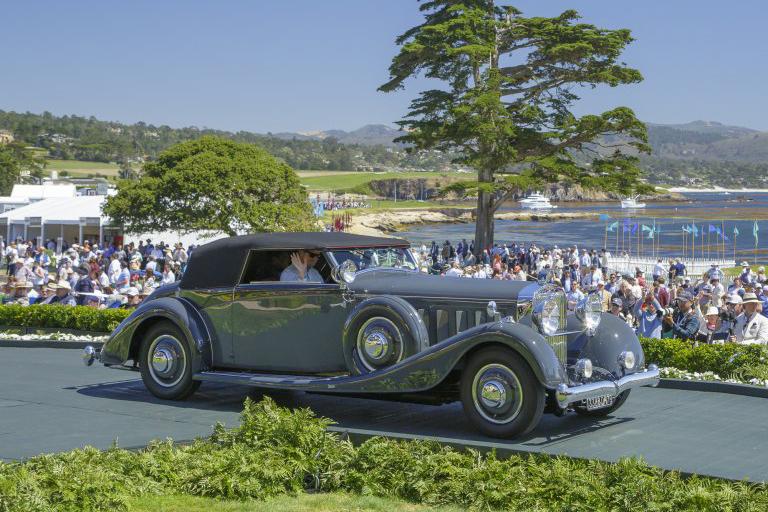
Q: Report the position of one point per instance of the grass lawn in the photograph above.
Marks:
(736, 271)
(78, 169)
(331, 502)
(349, 180)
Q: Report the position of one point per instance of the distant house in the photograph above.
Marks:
(6, 137)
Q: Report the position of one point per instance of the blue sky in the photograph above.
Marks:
(293, 65)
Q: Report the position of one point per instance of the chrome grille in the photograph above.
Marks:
(558, 342)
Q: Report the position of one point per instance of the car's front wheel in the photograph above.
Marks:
(166, 364)
(500, 394)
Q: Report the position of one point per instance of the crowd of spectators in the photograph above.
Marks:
(88, 275)
(669, 303)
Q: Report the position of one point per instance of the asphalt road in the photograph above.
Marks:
(50, 402)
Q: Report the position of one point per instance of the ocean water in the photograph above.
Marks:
(707, 211)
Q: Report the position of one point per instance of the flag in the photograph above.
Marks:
(603, 217)
(612, 227)
(694, 229)
(687, 229)
(634, 228)
(712, 229)
(735, 231)
(755, 229)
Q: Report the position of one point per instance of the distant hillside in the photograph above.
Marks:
(368, 135)
(702, 140)
(700, 153)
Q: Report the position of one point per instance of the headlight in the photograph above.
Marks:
(589, 311)
(627, 359)
(547, 315)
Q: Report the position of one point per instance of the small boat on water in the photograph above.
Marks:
(631, 202)
(536, 201)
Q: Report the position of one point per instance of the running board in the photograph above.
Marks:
(255, 379)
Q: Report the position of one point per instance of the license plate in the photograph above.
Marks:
(599, 402)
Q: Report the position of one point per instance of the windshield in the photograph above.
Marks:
(389, 257)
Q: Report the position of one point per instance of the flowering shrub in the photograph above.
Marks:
(65, 317)
(747, 364)
(57, 336)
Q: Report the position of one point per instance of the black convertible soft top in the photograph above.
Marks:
(218, 264)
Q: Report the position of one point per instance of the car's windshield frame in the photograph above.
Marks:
(408, 258)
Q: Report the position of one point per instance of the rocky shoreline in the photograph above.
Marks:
(386, 222)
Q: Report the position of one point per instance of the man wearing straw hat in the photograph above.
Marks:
(21, 289)
(751, 327)
(63, 295)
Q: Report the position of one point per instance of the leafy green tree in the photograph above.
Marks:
(17, 164)
(508, 84)
(213, 184)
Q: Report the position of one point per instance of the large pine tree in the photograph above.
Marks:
(507, 85)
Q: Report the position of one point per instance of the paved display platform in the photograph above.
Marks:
(50, 402)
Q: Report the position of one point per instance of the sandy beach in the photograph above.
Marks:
(718, 190)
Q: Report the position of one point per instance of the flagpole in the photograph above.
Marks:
(693, 241)
(754, 233)
(722, 236)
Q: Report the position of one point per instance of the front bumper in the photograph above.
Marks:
(567, 395)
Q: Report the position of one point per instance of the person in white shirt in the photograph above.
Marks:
(151, 265)
(718, 291)
(454, 271)
(113, 271)
(751, 327)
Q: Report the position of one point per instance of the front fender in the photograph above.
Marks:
(121, 345)
(612, 337)
(427, 369)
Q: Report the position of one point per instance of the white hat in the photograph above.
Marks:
(712, 310)
(734, 299)
(63, 285)
(744, 264)
(132, 291)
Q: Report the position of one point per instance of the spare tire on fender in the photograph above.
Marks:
(382, 331)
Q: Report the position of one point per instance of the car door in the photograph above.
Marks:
(291, 327)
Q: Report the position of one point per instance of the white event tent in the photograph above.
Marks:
(59, 218)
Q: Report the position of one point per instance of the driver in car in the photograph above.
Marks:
(302, 268)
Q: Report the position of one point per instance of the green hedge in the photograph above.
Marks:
(730, 359)
(276, 451)
(66, 317)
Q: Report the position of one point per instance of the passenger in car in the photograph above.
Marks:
(302, 268)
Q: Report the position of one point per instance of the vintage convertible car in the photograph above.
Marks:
(376, 327)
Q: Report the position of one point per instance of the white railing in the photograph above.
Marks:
(695, 266)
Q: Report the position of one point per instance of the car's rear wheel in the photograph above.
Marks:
(500, 394)
(605, 411)
(165, 362)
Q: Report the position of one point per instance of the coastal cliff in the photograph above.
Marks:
(390, 221)
(429, 188)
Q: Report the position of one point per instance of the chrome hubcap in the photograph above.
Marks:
(167, 360)
(162, 360)
(376, 345)
(379, 343)
(497, 393)
(493, 394)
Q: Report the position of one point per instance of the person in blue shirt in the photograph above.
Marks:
(685, 324)
(649, 314)
(301, 268)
